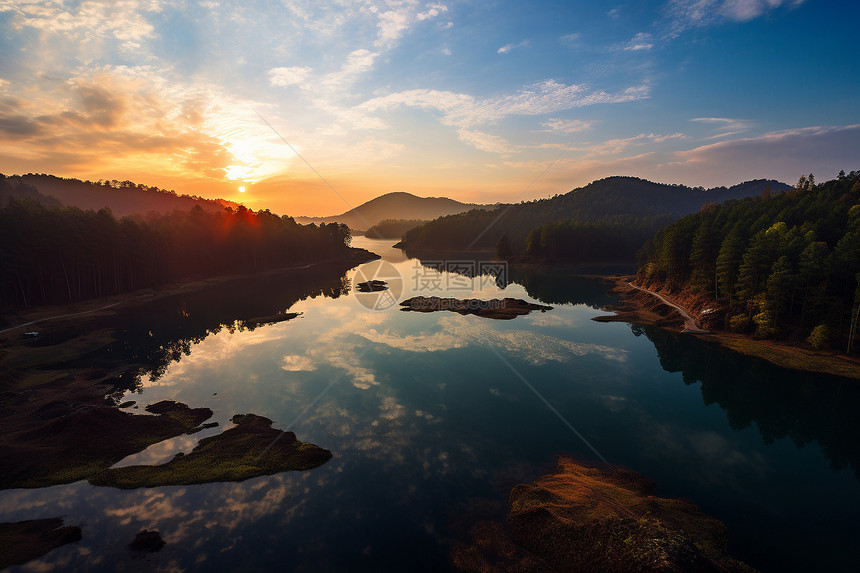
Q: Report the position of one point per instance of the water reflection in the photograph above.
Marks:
(425, 422)
(154, 335)
(802, 406)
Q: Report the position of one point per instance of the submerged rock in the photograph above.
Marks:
(250, 449)
(584, 519)
(372, 286)
(147, 542)
(497, 308)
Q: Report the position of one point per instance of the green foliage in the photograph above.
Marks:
(591, 241)
(819, 337)
(739, 323)
(784, 262)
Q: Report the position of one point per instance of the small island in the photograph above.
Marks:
(250, 449)
(500, 309)
(372, 286)
(585, 519)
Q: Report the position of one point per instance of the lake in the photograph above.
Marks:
(432, 418)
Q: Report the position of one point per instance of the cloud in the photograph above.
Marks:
(125, 20)
(780, 155)
(725, 126)
(685, 14)
(614, 146)
(508, 47)
(467, 111)
(393, 23)
(432, 11)
(296, 363)
(639, 42)
(568, 125)
(485, 141)
(128, 119)
(294, 75)
(461, 331)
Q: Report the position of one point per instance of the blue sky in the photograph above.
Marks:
(480, 101)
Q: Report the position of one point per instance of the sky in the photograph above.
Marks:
(310, 107)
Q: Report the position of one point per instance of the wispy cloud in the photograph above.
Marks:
(691, 13)
(614, 146)
(568, 125)
(508, 47)
(725, 126)
(639, 42)
(485, 141)
(463, 110)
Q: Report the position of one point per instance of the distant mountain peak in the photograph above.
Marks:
(395, 205)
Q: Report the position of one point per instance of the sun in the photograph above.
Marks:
(242, 189)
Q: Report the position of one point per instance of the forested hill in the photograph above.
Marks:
(608, 202)
(52, 255)
(121, 197)
(780, 266)
(397, 205)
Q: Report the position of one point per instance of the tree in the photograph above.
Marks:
(819, 337)
(503, 247)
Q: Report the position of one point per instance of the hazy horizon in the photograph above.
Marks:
(480, 103)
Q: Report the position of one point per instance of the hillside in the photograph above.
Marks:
(778, 267)
(397, 205)
(607, 202)
(122, 197)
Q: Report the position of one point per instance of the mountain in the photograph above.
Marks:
(122, 197)
(397, 205)
(607, 202)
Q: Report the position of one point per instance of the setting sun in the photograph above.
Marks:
(241, 189)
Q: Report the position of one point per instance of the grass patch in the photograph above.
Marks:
(250, 449)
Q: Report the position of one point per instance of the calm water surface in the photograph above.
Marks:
(429, 430)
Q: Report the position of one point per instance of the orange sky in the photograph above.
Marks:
(480, 102)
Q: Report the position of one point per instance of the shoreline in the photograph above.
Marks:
(50, 397)
(46, 313)
(640, 306)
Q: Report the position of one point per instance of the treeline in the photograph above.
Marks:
(613, 198)
(121, 197)
(392, 228)
(609, 239)
(783, 266)
(52, 255)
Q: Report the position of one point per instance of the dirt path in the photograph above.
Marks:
(58, 316)
(690, 324)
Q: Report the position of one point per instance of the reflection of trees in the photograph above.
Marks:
(782, 403)
(156, 333)
(550, 286)
(561, 287)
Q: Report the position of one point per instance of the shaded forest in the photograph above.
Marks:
(781, 266)
(609, 205)
(52, 255)
(609, 239)
(392, 228)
